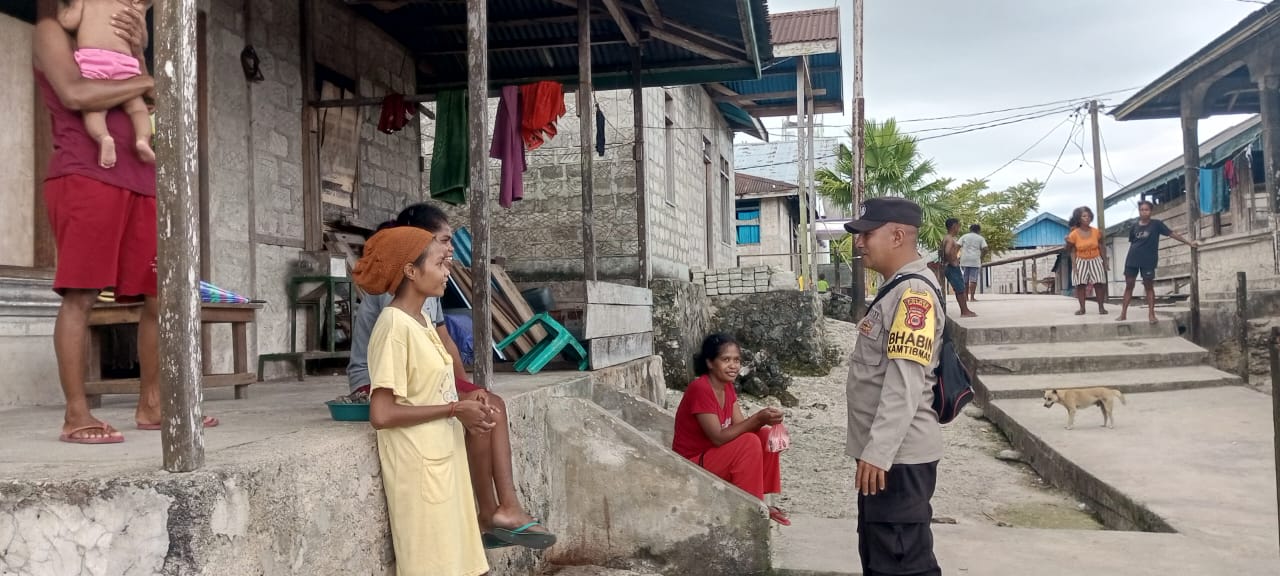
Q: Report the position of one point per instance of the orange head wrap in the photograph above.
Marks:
(385, 254)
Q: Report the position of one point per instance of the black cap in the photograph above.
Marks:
(877, 212)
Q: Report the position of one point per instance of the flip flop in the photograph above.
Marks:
(777, 515)
(69, 437)
(492, 542)
(522, 537)
(209, 422)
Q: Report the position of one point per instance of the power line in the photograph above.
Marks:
(1031, 147)
(1107, 156)
(1078, 126)
(1016, 108)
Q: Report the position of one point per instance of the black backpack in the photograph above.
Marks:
(953, 389)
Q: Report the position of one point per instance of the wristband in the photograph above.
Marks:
(453, 409)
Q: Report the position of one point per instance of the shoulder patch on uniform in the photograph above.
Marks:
(868, 325)
(914, 322)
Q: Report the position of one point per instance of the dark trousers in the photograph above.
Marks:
(894, 536)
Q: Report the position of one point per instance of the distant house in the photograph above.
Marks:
(766, 222)
(1031, 266)
(765, 164)
(1040, 232)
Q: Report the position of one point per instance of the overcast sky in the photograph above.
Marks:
(930, 58)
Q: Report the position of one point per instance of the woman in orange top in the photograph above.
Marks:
(1084, 246)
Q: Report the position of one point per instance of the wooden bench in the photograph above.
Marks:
(239, 316)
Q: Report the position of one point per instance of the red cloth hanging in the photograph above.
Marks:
(396, 113)
(542, 104)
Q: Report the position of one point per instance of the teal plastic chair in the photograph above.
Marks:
(558, 337)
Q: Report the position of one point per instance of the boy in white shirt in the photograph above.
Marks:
(973, 248)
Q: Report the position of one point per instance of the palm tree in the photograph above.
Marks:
(894, 167)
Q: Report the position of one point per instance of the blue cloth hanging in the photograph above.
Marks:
(1207, 187)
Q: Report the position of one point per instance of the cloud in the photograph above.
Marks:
(929, 58)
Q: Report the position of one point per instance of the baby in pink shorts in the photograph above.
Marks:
(103, 55)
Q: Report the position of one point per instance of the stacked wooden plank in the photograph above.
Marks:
(615, 321)
(509, 310)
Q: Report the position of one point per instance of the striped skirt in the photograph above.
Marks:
(1088, 271)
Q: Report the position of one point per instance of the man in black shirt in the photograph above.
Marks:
(1144, 254)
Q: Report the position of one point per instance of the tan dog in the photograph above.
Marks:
(1073, 398)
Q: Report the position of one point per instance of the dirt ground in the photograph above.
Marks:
(974, 488)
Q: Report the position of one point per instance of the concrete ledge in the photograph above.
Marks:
(285, 490)
(1001, 387)
(1198, 461)
(618, 498)
(1116, 510)
(1084, 356)
(642, 414)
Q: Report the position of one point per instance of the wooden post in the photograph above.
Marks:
(806, 253)
(1101, 216)
(587, 131)
(642, 187)
(809, 178)
(1022, 285)
(477, 135)
(178, 218)
(1191, 165)
(1275, 402)
(857, 179)
(1269, 103)
(1035, 277)
(1242, 322)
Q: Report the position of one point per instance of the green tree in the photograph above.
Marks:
(998, 211)
(894, 167)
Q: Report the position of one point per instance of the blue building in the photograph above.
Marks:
(1039, 232)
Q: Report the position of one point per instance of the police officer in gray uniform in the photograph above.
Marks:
(893, 431)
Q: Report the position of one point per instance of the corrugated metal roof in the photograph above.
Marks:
(1212, 151)
(1163, 97)
(805, 26)
(748, 185)
(537, 40)
(778, 160)
(778, 77)
(1043, 230)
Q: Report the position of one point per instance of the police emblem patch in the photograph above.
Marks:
(917, 311)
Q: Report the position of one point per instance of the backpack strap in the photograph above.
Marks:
(884, 290)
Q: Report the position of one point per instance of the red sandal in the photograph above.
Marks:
(777, 515)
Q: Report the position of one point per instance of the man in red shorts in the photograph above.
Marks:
(104, 220)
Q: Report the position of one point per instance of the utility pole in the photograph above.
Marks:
(857, 178)
(1097, 182)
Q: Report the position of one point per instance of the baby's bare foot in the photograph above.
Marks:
(145, 152)
(107, 152)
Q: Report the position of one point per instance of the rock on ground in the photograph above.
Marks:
(974, 487)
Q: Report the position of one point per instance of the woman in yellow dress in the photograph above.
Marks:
(415, 409)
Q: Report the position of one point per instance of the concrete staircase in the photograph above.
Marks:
(1021, 361)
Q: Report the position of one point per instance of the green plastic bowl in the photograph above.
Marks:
(348, 412)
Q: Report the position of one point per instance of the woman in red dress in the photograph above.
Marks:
(711, 430)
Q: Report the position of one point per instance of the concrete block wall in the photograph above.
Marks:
(541, 235)
(256, 174)
(746, 280)
(1003, 279)
(777, 233)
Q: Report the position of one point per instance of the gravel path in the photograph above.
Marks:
(974, 488)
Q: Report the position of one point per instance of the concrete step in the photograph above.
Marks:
(1000, 387)
(1090, 356)
(1197, 462)
(1033, 330)
(827, 547)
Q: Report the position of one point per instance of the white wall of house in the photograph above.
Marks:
(254, 170)
(689, 175)
(776, 233)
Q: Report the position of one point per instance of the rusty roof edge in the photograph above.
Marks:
(1250, 26)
